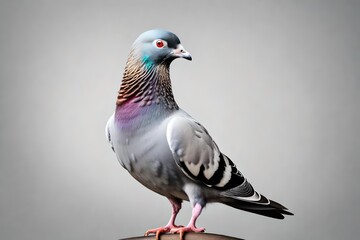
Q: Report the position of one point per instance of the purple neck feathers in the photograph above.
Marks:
(144, 86)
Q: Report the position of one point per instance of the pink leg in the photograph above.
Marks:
(191, 226)
(176, 206)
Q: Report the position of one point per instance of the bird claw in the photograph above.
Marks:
(157, 231)
(183, 230)
(160, 230)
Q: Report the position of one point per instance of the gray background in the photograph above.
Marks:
(276, 83)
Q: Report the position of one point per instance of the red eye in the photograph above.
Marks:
(159, 43)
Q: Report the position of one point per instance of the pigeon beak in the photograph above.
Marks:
(180, 52)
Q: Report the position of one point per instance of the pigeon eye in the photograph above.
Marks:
(160, 43)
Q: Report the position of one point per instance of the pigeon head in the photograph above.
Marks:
(146, 79)
(159, 46)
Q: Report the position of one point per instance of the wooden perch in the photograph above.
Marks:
(187, 236)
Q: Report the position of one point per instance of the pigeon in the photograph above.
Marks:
(167, 150)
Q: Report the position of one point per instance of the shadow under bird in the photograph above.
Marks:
(168, 151)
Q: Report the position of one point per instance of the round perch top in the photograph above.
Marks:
(187, 236)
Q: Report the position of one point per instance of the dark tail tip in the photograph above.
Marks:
(273, 210)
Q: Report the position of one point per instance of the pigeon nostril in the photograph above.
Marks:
(182, 51)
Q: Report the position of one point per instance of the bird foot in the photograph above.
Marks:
(183, 230)
(160, 230)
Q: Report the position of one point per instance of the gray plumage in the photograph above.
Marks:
(163, 147)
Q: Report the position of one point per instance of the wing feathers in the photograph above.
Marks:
(107, 131)
(200, 159)
(198, 155)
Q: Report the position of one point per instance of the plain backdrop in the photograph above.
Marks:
(276, 83)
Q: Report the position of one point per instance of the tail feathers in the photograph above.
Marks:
(272, 209)
(278, 214)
